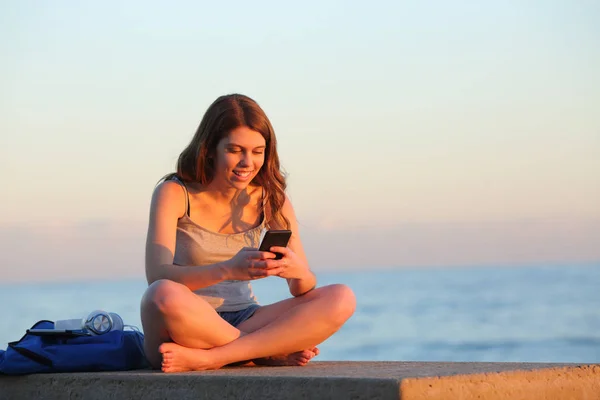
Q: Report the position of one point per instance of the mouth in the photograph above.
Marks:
(242, 174)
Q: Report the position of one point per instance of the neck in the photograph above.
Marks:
(226, 194)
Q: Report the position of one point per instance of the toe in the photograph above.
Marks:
(169, 368)
(307, 354)
(163, 348)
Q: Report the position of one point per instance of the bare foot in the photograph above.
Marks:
(176, 358)
(299, 358)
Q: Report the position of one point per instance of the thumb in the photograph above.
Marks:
(248, 249)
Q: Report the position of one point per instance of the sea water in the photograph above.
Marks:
(527, 314)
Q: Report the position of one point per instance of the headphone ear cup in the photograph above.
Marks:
(92, 314)
(98, 322)
(118, 324)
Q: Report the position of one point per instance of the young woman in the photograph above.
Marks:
(206, 220)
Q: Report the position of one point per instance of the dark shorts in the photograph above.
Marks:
(237, 317)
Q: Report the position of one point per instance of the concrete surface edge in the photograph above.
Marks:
(209, 388)
(553, 383)
(322, 380)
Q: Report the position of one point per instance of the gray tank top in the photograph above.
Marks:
(196, 245)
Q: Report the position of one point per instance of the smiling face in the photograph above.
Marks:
(239, 157)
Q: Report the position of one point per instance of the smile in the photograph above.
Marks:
(243, 174)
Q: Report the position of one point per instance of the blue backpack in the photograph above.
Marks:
(117, 350)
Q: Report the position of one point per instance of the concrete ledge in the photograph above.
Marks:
(322, 380)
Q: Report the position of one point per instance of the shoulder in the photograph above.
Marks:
(287, 210)
(169, 194)
(169, 188)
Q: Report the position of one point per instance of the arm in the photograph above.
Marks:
(305, 280)
(167, 206)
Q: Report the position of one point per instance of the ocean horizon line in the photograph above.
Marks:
(49, 280)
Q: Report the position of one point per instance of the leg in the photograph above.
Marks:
(264, 316)
(171, 312)
(282, 328)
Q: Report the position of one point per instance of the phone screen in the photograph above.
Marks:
(275, 238)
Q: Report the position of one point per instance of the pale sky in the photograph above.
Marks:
(414, 133)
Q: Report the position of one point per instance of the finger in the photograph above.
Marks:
(270, 264)
(257, 273)
(258, 264)
(274, 271)
(249, 249)
(278, 249)
(267, 255)
(260, 255)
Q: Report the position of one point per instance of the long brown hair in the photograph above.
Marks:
(196, 161)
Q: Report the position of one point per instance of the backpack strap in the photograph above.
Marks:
(31, 355)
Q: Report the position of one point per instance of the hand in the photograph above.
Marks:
(249, 264)
(290, 266)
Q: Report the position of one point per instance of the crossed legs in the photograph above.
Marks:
(183, 332)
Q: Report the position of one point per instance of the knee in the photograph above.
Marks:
(164, 296)
(343, 300)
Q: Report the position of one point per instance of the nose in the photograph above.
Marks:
(245, 161)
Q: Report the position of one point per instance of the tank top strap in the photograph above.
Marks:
(187, 197)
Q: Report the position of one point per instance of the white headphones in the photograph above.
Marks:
(98, 322)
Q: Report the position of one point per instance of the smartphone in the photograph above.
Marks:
(58, 332)
(275, 238)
